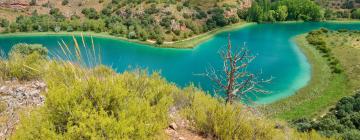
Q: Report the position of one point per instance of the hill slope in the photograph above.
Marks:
(154, 20)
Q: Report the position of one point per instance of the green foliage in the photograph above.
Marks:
(282, 13)
(302, 10)
(25, 62)
(267, 11)
(316, 38)
(99, 104)
(90, 13)
(356, 14)
(225, 121)
(342, 121)
(123, 19)
(255, 13)
(28, 49)
(216, 119)
(4, 22)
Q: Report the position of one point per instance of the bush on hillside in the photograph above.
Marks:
(316, 38)
(214, 118)
(342, 121)
(25, 62)
(99, 104)
(28, 49)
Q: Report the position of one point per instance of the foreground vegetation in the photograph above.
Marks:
(97, 103)
(342, 120)
(334, 58)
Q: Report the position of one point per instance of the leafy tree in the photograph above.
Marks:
(90, 13)
(242, 13)
(4, 23)
(255, 13)
(107, 11)
(13, 27)
(356, 14)
(302, 9)
(282, 13)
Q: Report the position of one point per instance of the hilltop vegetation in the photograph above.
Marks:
(157, 21)
(143, 20)
(284, 10)
(340, 8)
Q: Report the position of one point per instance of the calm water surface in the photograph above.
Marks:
(277, 55)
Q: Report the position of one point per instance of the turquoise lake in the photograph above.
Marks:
(277, 55)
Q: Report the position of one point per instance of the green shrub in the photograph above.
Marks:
(214, 118)
(25, 67)
(99, 104)
(342, 121)
(316, 38)
(25, 62)
(27, 49)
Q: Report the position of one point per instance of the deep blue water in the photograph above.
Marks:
(277, 55)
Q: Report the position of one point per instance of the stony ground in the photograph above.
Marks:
(14, 97)
(180, 129)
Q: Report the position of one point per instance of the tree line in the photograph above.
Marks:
(283, 10)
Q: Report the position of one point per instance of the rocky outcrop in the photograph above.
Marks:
(15, 4)
(245, 4)
(16, 96)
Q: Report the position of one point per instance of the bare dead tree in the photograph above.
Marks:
(234, 79)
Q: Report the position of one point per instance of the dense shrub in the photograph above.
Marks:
(25, 62)
(211, 116)
(342, 121)
(281, 10)
(99, 104)
(316, 38)
(119, 18)
(356, 14)
(27, 49)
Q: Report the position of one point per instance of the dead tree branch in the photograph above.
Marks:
(234, 79)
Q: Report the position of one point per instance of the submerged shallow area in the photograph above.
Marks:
(277, 55)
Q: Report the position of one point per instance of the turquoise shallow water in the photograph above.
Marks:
(277, 56)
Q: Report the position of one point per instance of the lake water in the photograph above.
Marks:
(277, 55)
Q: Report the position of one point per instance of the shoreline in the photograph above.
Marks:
(318, 65)
(189, 43)
(320, 94)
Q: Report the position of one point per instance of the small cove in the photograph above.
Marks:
(277, 55)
